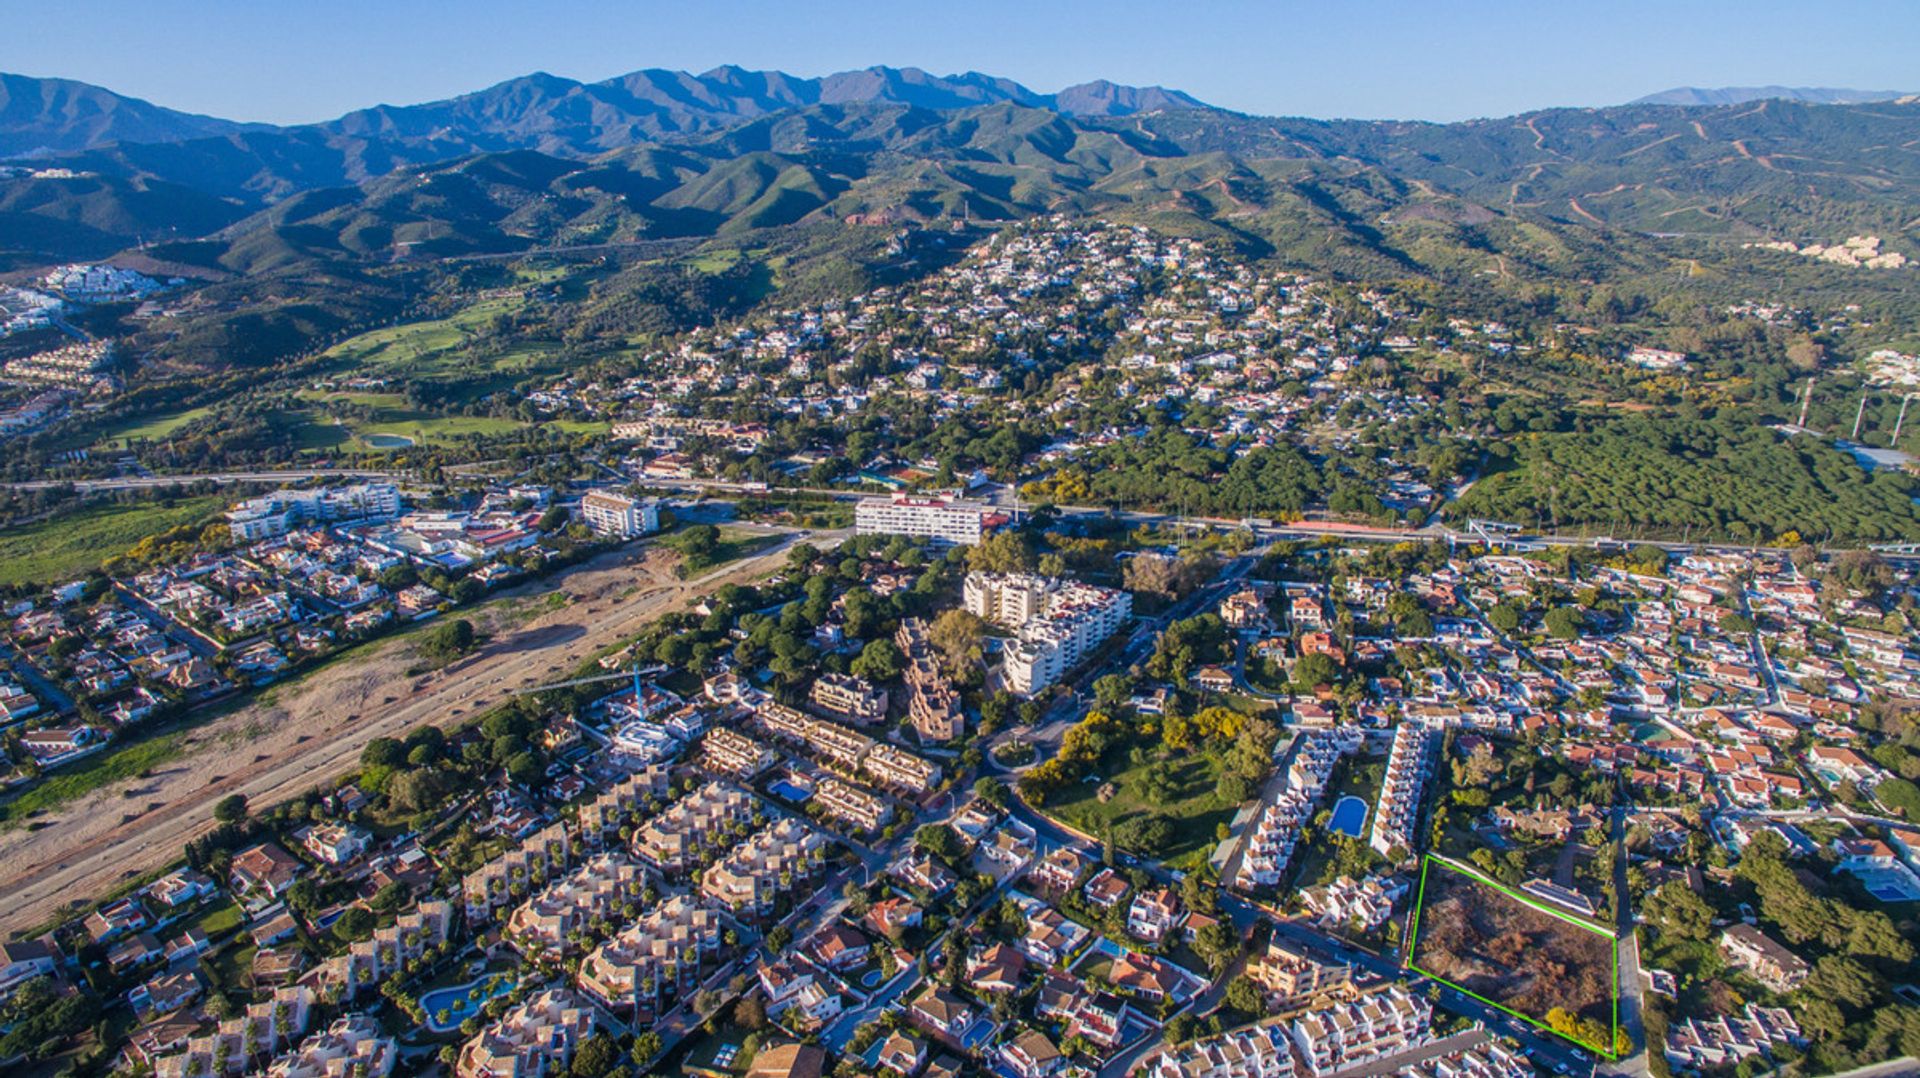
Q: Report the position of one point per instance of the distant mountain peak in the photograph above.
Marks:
(1740, 95)
(42, 116)
(1103, 98)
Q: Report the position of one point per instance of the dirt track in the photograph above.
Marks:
(314, 729)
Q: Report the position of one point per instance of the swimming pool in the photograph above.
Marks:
(462, 1001)
(789, 791)
(1349, 816)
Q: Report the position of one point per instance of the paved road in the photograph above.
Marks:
(146, 482)
(1904, 1067)
(1305, 529)
(1628, 948)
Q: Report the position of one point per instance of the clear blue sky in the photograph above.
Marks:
(288, 61)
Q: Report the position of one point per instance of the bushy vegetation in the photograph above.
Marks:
(1671, 477)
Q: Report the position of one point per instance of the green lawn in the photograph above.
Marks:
(716, 260)
(1195, 809)
(218, 920)
(416, 344)
(89, 775)
(733, 544)
(318, 429)
(151, 428)
(579, 426)
(67, 545)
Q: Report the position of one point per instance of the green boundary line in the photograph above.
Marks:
(1413, 942)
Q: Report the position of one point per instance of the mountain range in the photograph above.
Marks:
(1740, 95)
(47, 116)
(543, 161)
(546, 112)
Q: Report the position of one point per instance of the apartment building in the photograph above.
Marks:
(1358, 1032)
(659, 957)
(368, 962)
(1396, 814)
(750, 877)
(1009, 600)
(851, 805)
(693, 827)
(278, 513)
(1765, 958)
(619, 515)
(932, 704)
(1346, 901)
(537, 1039)
(1276, 831)
(264, 1027)
(946, 521)
(1286, 973)
(1488, 1060)
(1698, 1044)
(849, 697)
(1059, 622)
(898, 768)
(1262, 1051)
(352, 1047)
(729, 752)
(849, 750)
(831, 741)
(598, 888)
(625, 802)
(515, 874)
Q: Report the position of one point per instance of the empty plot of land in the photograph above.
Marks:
(1516, 953)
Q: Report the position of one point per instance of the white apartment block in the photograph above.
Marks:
(370, 961)
(661, 954)
(1261, 1051)
(278, 513)
(943, 520)
(730, 752)
(1009, 600)
(625, 802)
(353, 1047)
(1276, 831)
(896, 767)
(264, 1027)
(851, 751)
(830, 740)
(851, 805)
(601, 887)
(534, 1040)
(513, 875)
(1060, 622)
(755, 873)
(611, 513)
(1409, 765)
(694, 826)
(1488, 1060)
(850, 697)
(1352, 1034)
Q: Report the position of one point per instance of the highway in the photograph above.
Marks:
(1296, 530)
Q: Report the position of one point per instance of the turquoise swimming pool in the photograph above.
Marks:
(462, 1001)
(1349, 816)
